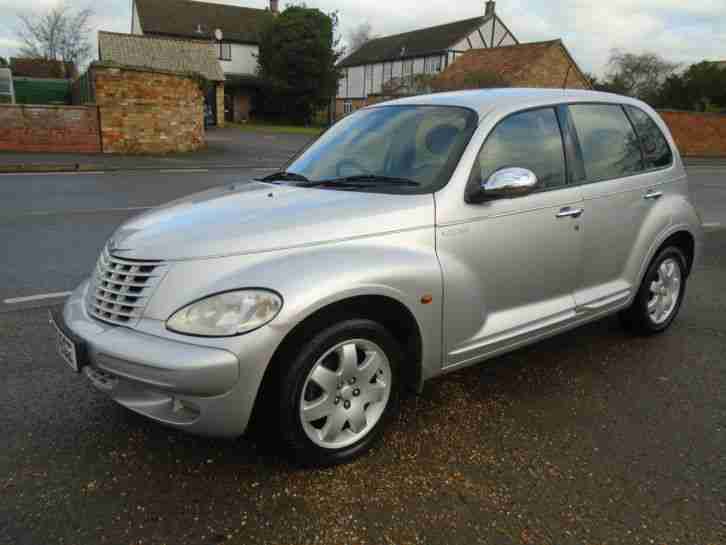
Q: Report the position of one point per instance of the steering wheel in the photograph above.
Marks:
(351, 163)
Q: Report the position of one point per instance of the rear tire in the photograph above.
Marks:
(661, 293)
(338, 393)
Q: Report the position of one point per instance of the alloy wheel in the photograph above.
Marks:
(665, 290)
(345, 393)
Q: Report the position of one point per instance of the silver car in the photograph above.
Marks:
(413, 238)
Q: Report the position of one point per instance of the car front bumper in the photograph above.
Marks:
(201, 389)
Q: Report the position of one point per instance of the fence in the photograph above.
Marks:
(42, 91)
(83, 89)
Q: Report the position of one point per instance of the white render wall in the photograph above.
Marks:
(244, 60)
(361, 81)
(358, 83)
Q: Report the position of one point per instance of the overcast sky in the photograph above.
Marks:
(682, 30)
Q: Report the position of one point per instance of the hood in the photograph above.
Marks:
(257, 217)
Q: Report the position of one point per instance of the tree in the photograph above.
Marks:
(60, 33)
(360, 36)
(297, 60)
(638, 75)
(705, 86)
(701, 87)
(3, 62)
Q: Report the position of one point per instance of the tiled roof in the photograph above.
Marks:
(510, 62)
(184, 18)
(415, 43)
(168, 54)
(42, 68)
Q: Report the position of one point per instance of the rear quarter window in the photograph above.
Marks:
(610, 147)
(656, 151)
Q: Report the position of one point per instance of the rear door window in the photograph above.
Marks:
(656, 151)
(610, 147)
(530, 140)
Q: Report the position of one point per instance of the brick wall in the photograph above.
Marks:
(148, 112)
(697, 134)
(49, 128)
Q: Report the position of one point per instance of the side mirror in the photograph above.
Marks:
(506, 183)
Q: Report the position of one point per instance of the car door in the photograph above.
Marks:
(618, 194)
(510, 265)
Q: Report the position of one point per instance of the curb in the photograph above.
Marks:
(25, 168)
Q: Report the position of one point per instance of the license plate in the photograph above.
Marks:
(68, 350)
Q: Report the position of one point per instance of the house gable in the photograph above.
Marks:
(492, 33)
(392, 61)
(537, 64)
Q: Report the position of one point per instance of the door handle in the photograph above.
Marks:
(653, 194)
(568, 212)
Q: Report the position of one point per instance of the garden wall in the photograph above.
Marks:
(148, 112)
(697, 134)
(49, 128)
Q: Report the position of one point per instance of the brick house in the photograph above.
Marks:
(537, 64)
(400, 57)
(233, 30)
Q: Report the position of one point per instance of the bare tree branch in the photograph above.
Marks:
(59, 33)
(638, 75)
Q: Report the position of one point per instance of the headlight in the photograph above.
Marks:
(227, 314)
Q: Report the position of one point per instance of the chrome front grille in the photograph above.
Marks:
(120, 288)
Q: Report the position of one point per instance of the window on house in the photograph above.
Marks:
(435, 65)
(225, 52)
(347, 107)
(370, 78)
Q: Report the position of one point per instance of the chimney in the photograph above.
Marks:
(489, 10)
(275, 6)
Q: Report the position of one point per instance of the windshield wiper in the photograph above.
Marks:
(283, 176)
(364, 180)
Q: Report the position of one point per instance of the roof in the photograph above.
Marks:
(183, 18)
(512, 63)
(416, 43)
(42, 68)
(484, 101)
(156, 53)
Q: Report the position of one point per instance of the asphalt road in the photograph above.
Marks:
(591, 437)
(54, 226)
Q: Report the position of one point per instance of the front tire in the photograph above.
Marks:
(338, 392)
(659, 298)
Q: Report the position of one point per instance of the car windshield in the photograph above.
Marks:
(391, 149)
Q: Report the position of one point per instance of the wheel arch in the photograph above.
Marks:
(684, 241)
(388, 311)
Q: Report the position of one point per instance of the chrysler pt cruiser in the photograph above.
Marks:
(411, 239)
